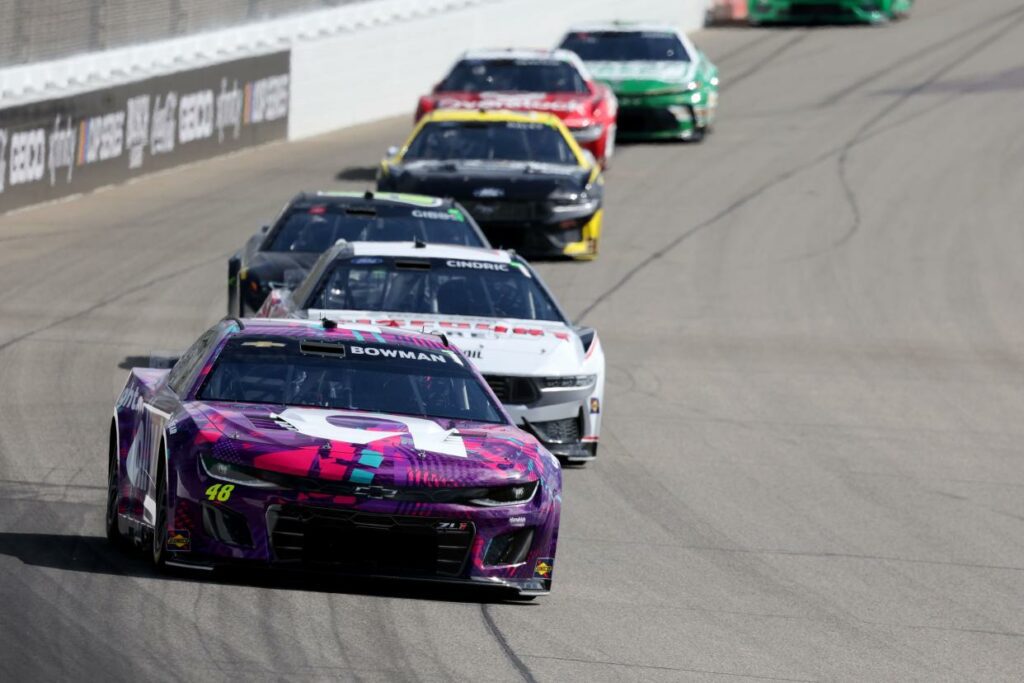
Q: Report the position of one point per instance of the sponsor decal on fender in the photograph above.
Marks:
(544, 567)
(179, 539)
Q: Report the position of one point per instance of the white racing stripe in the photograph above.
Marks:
(427, 435)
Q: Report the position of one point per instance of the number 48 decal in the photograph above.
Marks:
(220, 492)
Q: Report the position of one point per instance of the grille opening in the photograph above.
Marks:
(510, 389)
(510, 548)
(412, 265)
(568, 430)
(369, 543)
(316, 348)
(227, 526)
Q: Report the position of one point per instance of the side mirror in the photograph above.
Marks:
(293, 277)
(162, 361)
(265, 229)
(392, 151)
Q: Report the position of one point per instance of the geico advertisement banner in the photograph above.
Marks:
(74, 144)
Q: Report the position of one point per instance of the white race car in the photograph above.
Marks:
(491, 305)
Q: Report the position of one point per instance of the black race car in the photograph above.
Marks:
(313, 222)
(522, 176)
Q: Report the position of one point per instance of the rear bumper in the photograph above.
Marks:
(825, 11)
(577, 239)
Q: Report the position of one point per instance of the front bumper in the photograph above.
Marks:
(510, 546)
(567, 422)
(823, 11)
(515, 225)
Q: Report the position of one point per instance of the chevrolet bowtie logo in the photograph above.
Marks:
(376, 492)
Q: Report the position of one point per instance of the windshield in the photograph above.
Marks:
(379, 378)
(626, 46)
(513, 75)
(490, 141)
(441, 286)
(319, 227)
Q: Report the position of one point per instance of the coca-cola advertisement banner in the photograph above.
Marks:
(74, 144)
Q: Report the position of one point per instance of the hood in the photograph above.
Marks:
(631, 78)
(475, 180)
(561, 104)
(345, 446)
(496, 346)
(270, 267)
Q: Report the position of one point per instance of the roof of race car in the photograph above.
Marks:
(420, 201)
(523, 54)
(493, 116)
(315, 329)
(623, 27)
(445, 251)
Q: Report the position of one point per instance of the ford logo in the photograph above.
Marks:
(488, 192)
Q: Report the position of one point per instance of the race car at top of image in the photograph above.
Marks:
(554, 81)
(492, 305)
(312, 222)
(521, 175)
(666, 87)
(344, 448)
(826, 11)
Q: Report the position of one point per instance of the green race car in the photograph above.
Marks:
(831, 11)
(666, 87)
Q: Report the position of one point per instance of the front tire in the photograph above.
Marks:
(113, 532)
(158, 552)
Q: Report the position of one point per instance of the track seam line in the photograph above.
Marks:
(106, 302)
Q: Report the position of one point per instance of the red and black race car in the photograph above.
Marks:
(553, 81)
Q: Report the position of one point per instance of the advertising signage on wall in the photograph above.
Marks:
(73, 144)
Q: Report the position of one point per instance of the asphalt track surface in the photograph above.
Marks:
(812, 464)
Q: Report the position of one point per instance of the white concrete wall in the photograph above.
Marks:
(41, 81)
(380, 71)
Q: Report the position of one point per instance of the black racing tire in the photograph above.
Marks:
(113, 532)
(158, 551)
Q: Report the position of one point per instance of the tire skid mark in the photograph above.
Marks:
(767, 61)
(840, 95)
(510, 654)
(742, 49)
(858, 137)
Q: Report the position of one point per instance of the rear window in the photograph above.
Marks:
(513, 75)
(317, 228)
(490, 141)
(626, 46)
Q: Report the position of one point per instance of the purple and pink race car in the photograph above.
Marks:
(347, 448)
